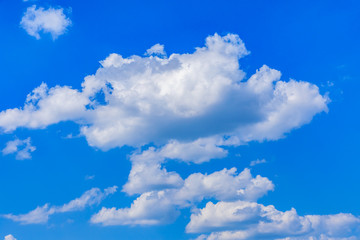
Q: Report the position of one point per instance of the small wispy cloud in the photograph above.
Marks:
(89, 177)
(22, 148)
(40, 215)
(257, 161)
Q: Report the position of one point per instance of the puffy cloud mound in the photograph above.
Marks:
(161, 206)
(41, 215)
(236, 214)
(250, 220)
(151, 208)
(51, 20)
(157, 49)
(22, 148)
(180, 98)
(44, 107)
(147, 172)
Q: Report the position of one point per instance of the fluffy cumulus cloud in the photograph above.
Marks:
(183, 97)
(51, 20)
(235, 215)
(9, 237)
(45, 106)
(22, 148)
(161, 206)
(151, 208)
(147, 172)
(40, 215)
(250, 220)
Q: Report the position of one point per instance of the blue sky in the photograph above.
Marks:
(139, 111)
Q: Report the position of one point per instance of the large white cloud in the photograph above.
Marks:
(41, 215)
(180, 98)
(51, 20)
(250, 220)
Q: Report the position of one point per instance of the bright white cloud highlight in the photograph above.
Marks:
(9, 237)
(40, 215)
(182, 98)
(250, 220)
(51, 20)
(22, 148)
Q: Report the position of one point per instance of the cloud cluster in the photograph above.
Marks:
(22, 148)
(41, 214)
(51, 20)
(249, 220)
(235, 215)
(188, 107)
(183, 97)
(161, 206)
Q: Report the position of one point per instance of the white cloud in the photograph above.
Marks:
(36, 216)
(44, 107)
(91, 197)
(89, 177)
(198, 151)
(226, 184)
(151, 208)
(250, 220)
(22, 148)
(182, 98)
(157, 49)
(161, 207)
(236, 215)
(51, 20)
(257, 161)
(40, 215)
(9, 237)
(147, 173)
